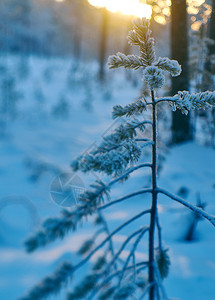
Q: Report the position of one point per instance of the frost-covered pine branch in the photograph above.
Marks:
(169, 65)
(111, 162)
(186, 101)
(51, 284)
(52, 229)
(126, 61)
(129, 110)
(116, 151)
(57, 228)
(141, 36)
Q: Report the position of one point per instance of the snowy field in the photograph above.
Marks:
(60, 111)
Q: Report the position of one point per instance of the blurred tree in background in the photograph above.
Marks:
(209, 66)
(181, 126)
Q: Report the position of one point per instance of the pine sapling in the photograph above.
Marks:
(111, 276)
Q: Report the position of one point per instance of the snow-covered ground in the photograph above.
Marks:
(40, 143)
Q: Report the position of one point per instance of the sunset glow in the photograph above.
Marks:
(128, 7)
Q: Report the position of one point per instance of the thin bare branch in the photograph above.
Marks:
(166, 99)
(114, 259)
(128, 172)
(139, 266)
(146, 290)
(143, 140)
(144, 191)
(106, 228)
(143, 231)
(159, 229)
(86, 259)
(192, 207)
(129, 238)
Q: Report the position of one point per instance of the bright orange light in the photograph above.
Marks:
(126, 7)
(160, 19)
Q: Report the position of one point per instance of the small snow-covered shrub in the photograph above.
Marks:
(111, 276)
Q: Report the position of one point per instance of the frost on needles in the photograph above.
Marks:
(118, 155)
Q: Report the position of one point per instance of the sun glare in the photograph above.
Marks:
(126, 7)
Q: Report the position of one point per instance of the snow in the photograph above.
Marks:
(37, 136)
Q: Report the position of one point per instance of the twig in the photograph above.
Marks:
(128, 172)
(194, 208)
(121, 249)
(159, 232)
(146, 290)
(167, 99)
(106, 228)
(159, 282)
(142, 266)
(144, 191)
(134, 264)
(143, 231)
(143, 140)
(86, 259)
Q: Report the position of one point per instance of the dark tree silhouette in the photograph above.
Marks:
(103, 43)
(181, 126)
(211, 50)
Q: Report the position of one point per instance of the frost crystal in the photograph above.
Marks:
(171, 66)
(126, 61)
(154, 77)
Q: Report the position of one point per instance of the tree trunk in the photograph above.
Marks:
(127, 46)
(181, 126)
(211, 51)
(103, 44)
(152, 290)
(212, 26)
(209, 66)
